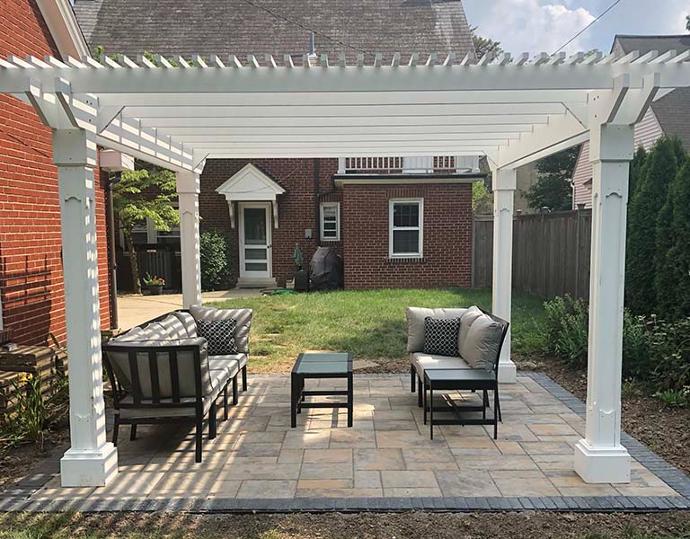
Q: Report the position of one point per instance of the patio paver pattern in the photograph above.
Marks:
(386, 455)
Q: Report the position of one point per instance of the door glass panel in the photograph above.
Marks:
(254, 226)
(255, 254)
(256, 266)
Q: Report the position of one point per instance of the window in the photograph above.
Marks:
(405, 229)
(330, 221)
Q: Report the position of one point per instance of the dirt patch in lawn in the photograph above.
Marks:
(666, 431)
(413, 525)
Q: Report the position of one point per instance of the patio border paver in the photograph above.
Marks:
(16, 498)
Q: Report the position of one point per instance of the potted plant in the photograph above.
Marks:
(154, 284)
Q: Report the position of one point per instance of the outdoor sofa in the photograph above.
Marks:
(165, 371)
(467, 340)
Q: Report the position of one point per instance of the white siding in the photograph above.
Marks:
(646, 134)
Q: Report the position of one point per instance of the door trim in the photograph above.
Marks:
(243, 274)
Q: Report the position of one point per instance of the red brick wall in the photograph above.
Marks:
(364, 224)
(297, 208)
(29, 206)
(447, 237)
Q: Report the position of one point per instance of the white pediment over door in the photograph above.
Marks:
(250, 184)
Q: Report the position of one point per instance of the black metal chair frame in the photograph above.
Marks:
(138, 402)
(484, 384)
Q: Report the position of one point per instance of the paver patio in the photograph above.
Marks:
(258, 460)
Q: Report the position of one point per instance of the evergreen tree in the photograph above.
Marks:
(636, 170)
(651, 191)
(675, 298)
(553, 189)
(665, 277)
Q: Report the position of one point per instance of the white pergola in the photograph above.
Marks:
(178, 114)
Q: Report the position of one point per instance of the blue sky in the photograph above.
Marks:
(544, 25)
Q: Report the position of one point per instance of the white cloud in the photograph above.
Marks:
(528, 25)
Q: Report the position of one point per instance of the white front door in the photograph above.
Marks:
(255, 240)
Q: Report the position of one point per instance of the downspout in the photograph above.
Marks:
(112, 259)
(316, 167)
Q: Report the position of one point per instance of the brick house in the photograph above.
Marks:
(397, 222)
(668, 114)
(31, 277)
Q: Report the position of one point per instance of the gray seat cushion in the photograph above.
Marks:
(422, 361)
(230, 363)
(415, 324)
(480, 344)
(466, 322)
(173, 327)
(242, 316)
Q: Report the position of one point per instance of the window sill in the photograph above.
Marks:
(405, 259)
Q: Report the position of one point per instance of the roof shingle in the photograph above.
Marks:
(278, 27)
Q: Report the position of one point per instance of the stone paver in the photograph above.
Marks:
(387, 456)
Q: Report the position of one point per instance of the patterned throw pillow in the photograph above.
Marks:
(441, 336)
(220, 336)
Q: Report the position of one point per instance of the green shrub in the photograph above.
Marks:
(670, 354)
(215, 260)
(674, 398)
(565, 332)
(566, 336)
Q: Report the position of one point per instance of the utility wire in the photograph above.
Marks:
(587, 27)
(302, 26)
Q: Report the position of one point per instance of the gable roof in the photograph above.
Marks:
(241, 27)
(672, 111)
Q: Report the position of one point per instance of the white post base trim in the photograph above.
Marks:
(88, 468)
(507, 372)
(602, 464)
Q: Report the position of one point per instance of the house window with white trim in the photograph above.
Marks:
(330, 221)
(406, 228)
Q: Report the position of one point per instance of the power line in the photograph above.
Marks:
(302, 26)
(587, 27)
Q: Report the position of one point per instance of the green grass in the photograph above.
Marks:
(370, 324)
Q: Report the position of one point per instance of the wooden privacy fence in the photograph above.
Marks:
(550, 253)
(160, 262)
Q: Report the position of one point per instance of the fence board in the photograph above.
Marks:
(551, 253)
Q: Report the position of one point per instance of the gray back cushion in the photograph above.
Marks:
(480, 344)
(188, 322)
(119, 360)
(466, 322)
(415, 324)
(174, 327)
(243, 317)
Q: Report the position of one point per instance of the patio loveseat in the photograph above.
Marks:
(165, 371)
(468, 341)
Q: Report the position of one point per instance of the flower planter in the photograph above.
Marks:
(155, 290)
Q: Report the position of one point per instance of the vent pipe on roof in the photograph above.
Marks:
(311, 49)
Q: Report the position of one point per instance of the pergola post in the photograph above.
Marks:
(188, 187)
(91, 460)
(504, 182)
(600, 457)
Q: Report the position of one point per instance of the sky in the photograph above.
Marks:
(544, 25)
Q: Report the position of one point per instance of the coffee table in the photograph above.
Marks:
(319, 365)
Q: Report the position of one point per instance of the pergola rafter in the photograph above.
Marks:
(178, 112)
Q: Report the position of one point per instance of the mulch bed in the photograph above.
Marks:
(413, 525)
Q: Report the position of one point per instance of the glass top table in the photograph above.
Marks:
(316, 365)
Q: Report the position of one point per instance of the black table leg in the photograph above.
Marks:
(294, 396)
(349, 399)
(422, 388)
(431, 412)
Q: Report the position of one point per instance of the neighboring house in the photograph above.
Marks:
(397, 222)
(669, 114)
(31, 277)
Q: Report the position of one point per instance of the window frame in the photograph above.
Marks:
(392, 228)
(322, 222)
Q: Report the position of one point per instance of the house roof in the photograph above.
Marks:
(672, 111)
(222, 27)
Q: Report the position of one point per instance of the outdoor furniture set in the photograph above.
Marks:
(176, 367)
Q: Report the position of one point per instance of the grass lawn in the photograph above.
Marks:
(370, 324)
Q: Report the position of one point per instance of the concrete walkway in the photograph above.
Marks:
(134, 310)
